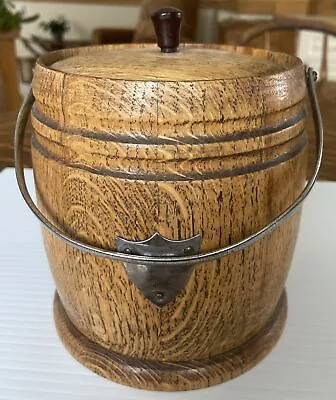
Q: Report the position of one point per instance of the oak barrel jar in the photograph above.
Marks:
(169, 185)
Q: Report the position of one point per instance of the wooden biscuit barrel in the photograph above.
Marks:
(163, 156)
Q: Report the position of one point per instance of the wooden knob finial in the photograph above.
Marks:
(167, 23)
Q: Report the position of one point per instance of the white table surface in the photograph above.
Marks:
(35, 366)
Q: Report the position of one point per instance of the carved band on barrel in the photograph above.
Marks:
(150, 140)
(289, 139)
(159, 284)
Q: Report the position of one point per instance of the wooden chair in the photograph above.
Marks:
(10, 95)
(112, 35)
(326, 90)
(231, 30)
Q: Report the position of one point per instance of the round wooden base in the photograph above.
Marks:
(165, 376)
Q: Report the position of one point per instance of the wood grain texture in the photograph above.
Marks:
(220, 158)
(165, 108)
(153, 375)
(95, 292)
(151, 65)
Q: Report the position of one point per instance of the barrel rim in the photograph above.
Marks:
(290, 62)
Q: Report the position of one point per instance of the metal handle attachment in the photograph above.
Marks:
(171, 261)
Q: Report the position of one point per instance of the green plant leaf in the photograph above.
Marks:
(10, 19)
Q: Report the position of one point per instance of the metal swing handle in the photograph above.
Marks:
(23, 116)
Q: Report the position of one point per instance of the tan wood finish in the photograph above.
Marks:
(277, 7)
(230, 32)
(323, 7)
(326, 92)
(287, 6)
(112, 35)
(152, 65)
(8, 72)
(7, 128)
(221, 156)
(204, 3)
(159, 375)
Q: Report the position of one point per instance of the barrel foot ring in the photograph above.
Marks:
(165, 376)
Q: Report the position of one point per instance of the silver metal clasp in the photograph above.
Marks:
(160, 283)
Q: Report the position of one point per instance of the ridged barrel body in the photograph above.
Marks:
(216, 156)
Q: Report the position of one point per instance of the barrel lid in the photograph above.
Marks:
(179, 92)
(149, 64)
(172, 63)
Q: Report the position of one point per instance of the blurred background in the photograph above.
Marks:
(30, 28)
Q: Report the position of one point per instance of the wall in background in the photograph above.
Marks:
(310, 49)
(84, 18)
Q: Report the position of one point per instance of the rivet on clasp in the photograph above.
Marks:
(160, 283)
